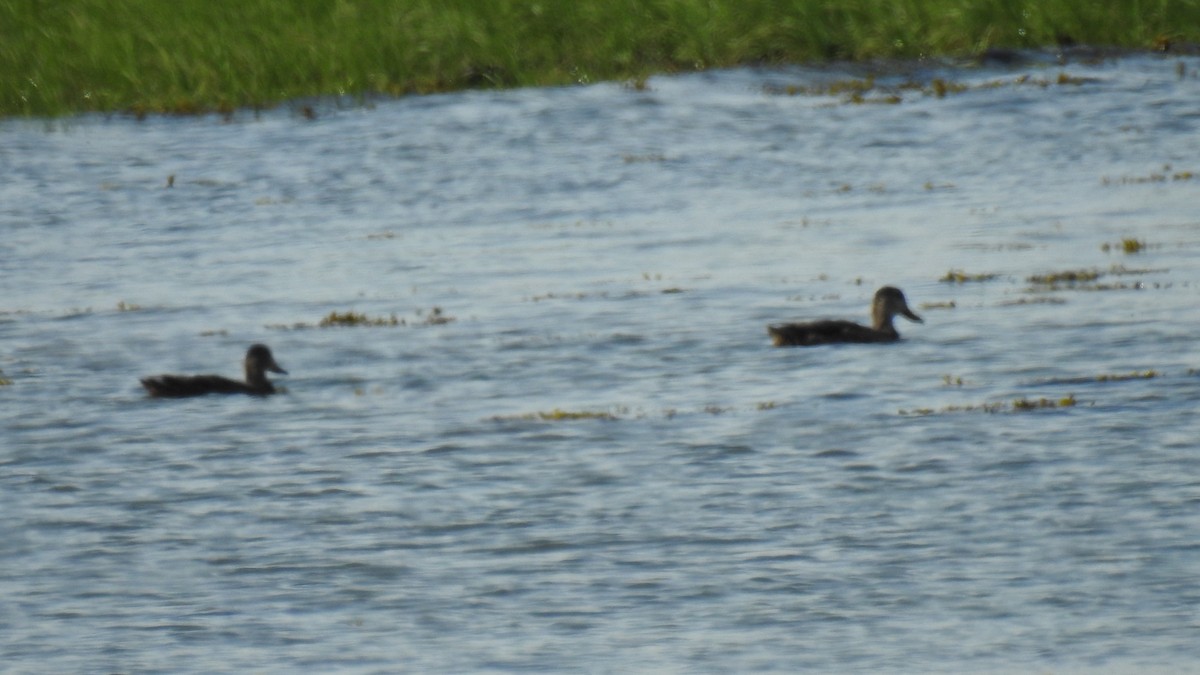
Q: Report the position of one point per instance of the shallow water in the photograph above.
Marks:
(600, 463)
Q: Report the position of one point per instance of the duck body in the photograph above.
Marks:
(183, 386)
(888, 303)
(258, 361)
(827, 332)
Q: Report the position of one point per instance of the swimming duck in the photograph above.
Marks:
(888, 302)
(258, 361)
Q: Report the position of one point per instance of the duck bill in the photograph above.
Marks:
(911, 315)
(274, 367)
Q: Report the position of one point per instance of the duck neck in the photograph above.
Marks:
(882, 321)
(256, 378)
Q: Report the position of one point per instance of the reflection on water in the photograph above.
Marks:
(559, 438)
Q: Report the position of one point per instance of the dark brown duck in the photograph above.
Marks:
(258, 361)
(889, 302)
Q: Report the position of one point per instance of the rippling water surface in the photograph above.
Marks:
(576, 449)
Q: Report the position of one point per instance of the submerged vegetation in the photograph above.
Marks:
(192, 56)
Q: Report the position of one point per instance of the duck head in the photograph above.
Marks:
(889, 302)
(258, 361)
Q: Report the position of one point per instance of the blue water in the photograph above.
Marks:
(593, 460)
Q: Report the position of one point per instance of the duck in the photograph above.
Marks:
(258, 361)
(889, 301)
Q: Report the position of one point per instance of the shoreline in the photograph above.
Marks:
(189, 57)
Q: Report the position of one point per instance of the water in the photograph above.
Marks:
(696, 500)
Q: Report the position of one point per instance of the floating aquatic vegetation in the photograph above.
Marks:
(1121, 270)
(559, 415)
(1064, 78)
(1119, 377)
(620, 412)
(4, 381)
(1038, 404)
(337, 319)
(950, 304)
(856, 90)
(890, 99)
(941, 87)
(356, 319)
(952, 381)
(834, 88)
(1167, 174)
(1016, 405)
(1012, 246)
(1136, 375)
(561, 296)
(852, 90)
(1126, 245)
(1084, 280)
(583, 295)
(1136, 286)
(1065, 277)
(961, 277)
(123, 306)
(845, 188)
(982, 407)
(1040, 300)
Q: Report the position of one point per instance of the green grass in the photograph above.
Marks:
(187, 56)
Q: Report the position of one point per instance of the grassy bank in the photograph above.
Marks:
(198, 55)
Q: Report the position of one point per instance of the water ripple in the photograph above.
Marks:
(600, 463)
